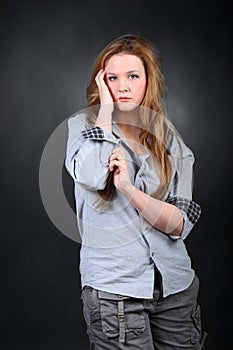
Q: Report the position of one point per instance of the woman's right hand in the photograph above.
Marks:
(106, 100)
(104, 120)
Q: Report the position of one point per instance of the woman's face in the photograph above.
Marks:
(126, 80)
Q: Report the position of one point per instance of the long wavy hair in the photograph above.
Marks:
(157, 129)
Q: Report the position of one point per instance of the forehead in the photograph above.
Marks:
(124, 62)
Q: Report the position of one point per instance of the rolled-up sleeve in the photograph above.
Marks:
(181, 191)
(87, 154)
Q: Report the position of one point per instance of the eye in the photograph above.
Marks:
(112, 78)
(133, 76)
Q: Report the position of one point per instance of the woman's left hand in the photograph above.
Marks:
(119, 164)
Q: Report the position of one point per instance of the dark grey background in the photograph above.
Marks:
(47, 53)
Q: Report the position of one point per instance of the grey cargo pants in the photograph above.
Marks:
(116, 322)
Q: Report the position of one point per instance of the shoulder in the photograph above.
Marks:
(178, 148)
(78, 121)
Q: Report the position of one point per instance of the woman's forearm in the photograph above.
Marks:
(104, 120)
(161, 215)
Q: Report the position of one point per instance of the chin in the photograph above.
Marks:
(126, 106)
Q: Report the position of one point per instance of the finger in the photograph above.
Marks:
(97, 77)
(117, 171)
(100, 78)
(119, 163)
(99, 73)
(119, 150)
(115, 163)
(115, 150)
(118, 156)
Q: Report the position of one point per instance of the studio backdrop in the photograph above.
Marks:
(47, 54)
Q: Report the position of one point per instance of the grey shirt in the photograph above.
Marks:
(119, 247)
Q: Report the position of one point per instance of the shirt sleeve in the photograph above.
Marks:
(87, 153)
(181, 190)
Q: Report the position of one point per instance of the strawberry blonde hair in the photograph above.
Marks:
(157, 129)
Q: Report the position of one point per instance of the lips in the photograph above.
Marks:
(123, 99)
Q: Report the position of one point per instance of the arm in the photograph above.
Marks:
(104, 120)
(89, 149)
(181, 190)
(87, 153)
(177, 215)
(163, 216)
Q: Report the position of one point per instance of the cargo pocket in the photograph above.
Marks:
(196, 328)
(121, 317)
(135, 320)
(90, 311)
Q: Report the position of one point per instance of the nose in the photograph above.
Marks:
(123, 87)
(123, 90)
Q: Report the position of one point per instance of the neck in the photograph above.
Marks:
(127, 120)
(129, 126)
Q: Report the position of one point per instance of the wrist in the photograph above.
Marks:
(128, 191)
(104, 119)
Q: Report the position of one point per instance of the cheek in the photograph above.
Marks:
(112, 89)
(141, 88)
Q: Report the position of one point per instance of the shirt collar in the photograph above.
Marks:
(123, 140)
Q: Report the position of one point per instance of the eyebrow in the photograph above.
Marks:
(130, 71)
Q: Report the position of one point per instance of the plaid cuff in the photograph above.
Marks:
(189, 207)
(94, 133)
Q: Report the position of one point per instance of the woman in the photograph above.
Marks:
(133, 190)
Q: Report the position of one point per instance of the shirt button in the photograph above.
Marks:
(153, 253)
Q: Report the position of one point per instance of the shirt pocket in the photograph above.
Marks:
(133, 318)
